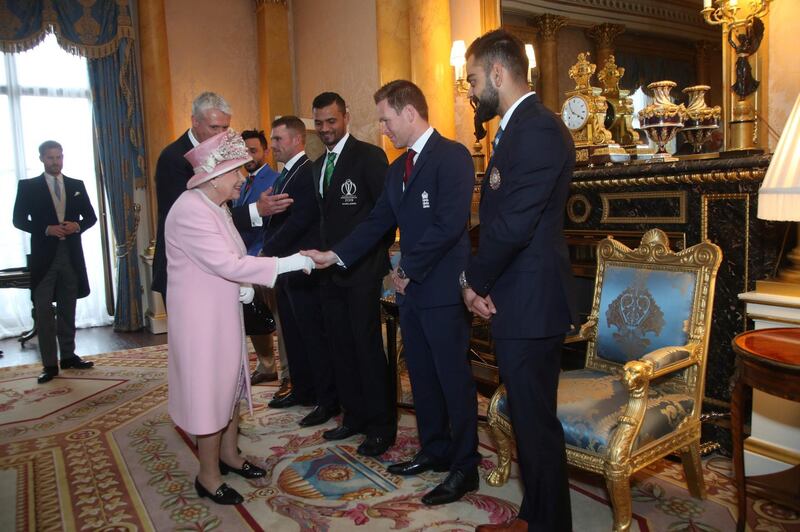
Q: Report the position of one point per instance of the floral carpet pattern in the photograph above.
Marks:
(97, 450)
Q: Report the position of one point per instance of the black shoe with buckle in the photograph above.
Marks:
(75, 362)
(453, 487)
(223, 495)
(419, 464)
(248, 470)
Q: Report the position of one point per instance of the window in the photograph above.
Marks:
(45, 94)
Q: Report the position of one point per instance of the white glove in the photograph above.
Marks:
(246, 294)
(294, 263)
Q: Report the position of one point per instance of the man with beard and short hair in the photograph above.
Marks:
(521, 276)
(428, 194)
(349, 179)
(249, 221)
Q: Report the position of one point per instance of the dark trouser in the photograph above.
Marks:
(306, 343)
(353, 322)
(529, 368)
(60, 284)
(435, 343)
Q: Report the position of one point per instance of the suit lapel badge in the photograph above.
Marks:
(494, 178)
(426, 204)
(349, 196)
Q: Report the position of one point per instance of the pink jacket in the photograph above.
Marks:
(207, 261)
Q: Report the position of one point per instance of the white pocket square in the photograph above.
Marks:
(78, 193)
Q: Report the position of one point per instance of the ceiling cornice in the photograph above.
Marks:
(678, 19)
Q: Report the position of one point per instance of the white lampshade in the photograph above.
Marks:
(779, 195)
(531, 56)
(457, 53)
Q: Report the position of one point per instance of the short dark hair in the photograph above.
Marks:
(327, 98)
(401, 92)
(293, 123)
(49, 145)
(255, 134)
(500, 46)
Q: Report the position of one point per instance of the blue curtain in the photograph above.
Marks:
(101, 31)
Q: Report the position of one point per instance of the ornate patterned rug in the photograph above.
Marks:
(97, 450)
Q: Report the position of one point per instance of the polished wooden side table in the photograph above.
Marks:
(768, 360)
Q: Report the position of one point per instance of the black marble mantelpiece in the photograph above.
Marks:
(715, 199)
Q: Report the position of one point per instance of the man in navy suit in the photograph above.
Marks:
(298, 295)
(521, 275)
(427, 194)
(55, 210)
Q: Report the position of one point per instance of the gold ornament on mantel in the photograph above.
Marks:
(701, 120)
(619, 116)
(662, 119)
(584, 114)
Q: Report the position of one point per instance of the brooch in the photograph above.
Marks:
(494, 178)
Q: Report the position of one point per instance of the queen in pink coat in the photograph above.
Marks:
(209, 274)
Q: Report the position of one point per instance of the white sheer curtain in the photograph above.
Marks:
(45, 95)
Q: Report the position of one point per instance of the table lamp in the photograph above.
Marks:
(779, 199)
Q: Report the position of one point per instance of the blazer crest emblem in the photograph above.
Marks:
(494, 178)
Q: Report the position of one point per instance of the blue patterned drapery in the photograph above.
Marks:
(102, 31)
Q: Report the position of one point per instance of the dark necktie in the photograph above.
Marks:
(246, 188)
(409, 165)
(497, 136)
(276, 187)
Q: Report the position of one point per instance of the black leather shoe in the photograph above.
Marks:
(288, 400)
(453, 487)
(339, 433)
(224, 494)
(318, 416)
(374, 446)
(76, 363)
(419, 464)
(47, 375)
(248, 470)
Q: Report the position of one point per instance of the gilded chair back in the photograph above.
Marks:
(650, 298)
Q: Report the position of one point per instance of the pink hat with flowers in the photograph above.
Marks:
(215, 156)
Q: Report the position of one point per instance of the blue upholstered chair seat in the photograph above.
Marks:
(590, 403)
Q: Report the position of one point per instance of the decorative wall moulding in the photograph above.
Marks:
(646, 16)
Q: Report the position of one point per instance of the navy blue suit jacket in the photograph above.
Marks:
(522, 260)
(432, 214)
(253, 237)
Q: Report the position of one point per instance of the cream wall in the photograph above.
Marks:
(784, 67)
(335, 49)
(212, 46)
(465, 25)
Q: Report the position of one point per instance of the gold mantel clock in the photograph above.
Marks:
(584, 112)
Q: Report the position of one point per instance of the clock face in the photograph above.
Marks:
(575, 112)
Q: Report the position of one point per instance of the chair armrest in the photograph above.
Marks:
(587, 332)
(671, 358)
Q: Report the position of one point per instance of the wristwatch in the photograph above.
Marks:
(462, 280)
(400, 273)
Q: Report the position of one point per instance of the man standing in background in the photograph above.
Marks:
(55, 210)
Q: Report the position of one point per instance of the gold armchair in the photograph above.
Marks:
(639, 397)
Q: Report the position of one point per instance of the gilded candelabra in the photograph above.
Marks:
(741, 23)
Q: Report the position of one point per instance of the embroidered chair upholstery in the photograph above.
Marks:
(640, 394)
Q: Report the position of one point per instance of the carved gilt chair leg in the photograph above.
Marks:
(620, 492)
(693, 469)
(499, 475)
